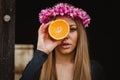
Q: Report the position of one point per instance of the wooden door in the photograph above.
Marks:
(7, 39)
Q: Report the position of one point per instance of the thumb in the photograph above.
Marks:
(50, 47)
(56, 43)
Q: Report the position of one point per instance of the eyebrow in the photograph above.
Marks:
(72, 25)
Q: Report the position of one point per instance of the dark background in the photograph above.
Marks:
(99, 32)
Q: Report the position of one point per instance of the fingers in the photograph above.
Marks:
(40, 28)
(44, 27)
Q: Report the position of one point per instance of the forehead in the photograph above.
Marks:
(68, 19)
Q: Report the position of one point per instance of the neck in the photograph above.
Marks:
(64, 58)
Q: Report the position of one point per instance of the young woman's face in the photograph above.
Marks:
(69, 43)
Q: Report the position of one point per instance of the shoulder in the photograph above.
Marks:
(97, 70)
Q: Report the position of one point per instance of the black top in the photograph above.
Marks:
(32, 70)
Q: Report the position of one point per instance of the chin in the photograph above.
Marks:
(66, 51)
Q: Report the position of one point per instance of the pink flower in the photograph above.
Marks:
(64, 9)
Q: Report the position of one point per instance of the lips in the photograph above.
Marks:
(65, 45)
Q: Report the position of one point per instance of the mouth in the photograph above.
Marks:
(65, 45)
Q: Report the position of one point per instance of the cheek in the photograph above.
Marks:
(74, 37)
(74, 40)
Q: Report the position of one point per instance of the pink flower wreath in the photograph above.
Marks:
(64, 9)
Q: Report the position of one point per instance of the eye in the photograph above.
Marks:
(73, 29)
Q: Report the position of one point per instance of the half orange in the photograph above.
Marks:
(58, 29)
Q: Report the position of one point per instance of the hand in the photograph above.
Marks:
(45, 42)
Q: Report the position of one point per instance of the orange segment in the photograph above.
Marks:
(58, 29)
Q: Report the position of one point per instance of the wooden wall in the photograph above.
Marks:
(7, 39)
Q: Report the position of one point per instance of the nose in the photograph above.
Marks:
(66, 38)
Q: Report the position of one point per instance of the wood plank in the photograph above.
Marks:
(7, 40)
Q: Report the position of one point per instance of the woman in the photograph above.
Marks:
(66, 59)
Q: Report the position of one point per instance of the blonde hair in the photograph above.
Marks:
(82, 62)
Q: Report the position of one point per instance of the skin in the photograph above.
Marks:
(45, 43)
(67, 46)
(64, 49)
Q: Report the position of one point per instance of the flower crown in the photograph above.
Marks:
(64, 9)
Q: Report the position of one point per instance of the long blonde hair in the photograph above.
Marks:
(82, 62)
